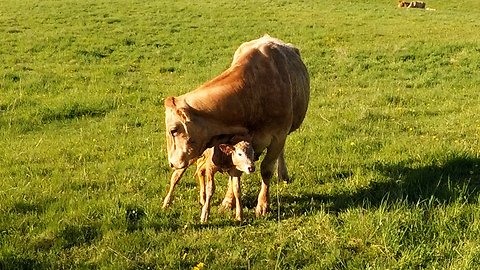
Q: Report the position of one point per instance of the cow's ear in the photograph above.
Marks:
(170, 102)
(182, 112)
(226, 148)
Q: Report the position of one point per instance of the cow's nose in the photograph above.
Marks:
(171, 165)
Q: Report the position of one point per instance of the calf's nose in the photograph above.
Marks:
(251, 169)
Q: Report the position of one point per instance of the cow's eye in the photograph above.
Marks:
(173, 132)
(240, 154)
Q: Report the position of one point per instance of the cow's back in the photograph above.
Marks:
(287, 60)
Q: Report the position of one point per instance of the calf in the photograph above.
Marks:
(230, 158)
(233, 158)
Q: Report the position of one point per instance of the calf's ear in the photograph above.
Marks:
(225, 148)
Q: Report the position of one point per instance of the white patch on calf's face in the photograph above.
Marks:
(243, 157)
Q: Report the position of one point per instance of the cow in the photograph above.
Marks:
(264, 93)
(230, 158)
(414, 4)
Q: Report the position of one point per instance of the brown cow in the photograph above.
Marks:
(264, 93)
(414, 4)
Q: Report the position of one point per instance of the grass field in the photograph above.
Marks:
(385, 169)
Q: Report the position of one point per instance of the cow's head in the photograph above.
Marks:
(186, 139)
(189, 132)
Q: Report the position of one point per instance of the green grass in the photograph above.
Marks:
(385, 169)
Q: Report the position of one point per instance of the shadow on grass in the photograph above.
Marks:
(76, 235)
(458, 179)
(32, 206)
(21, 263)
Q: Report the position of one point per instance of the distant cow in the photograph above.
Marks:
(415, 4)
(264, 93)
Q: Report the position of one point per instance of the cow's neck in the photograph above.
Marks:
(219, 105)
(216, 130)
(222, 98)
(223, 105)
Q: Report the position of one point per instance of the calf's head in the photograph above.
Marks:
(243, 155)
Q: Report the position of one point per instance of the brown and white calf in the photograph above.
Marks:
(233, 158)
(230, 158)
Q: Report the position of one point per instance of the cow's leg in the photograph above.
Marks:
(209, 190)
(267, 169)
(238, 197)
(176, 176)
(282, 171)
(228, 202)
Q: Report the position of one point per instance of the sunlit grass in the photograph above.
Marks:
(385, 169)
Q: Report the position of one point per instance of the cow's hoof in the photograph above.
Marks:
(166, 203)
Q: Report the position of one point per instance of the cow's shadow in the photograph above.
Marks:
(456, 179)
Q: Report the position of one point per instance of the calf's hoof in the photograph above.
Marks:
(239, 219)
(227, 204)
(261, 210)
(204, 218)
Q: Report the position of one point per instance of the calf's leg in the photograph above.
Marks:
(228, 202)
(238, 197)
(200, 173)
(209, 190)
